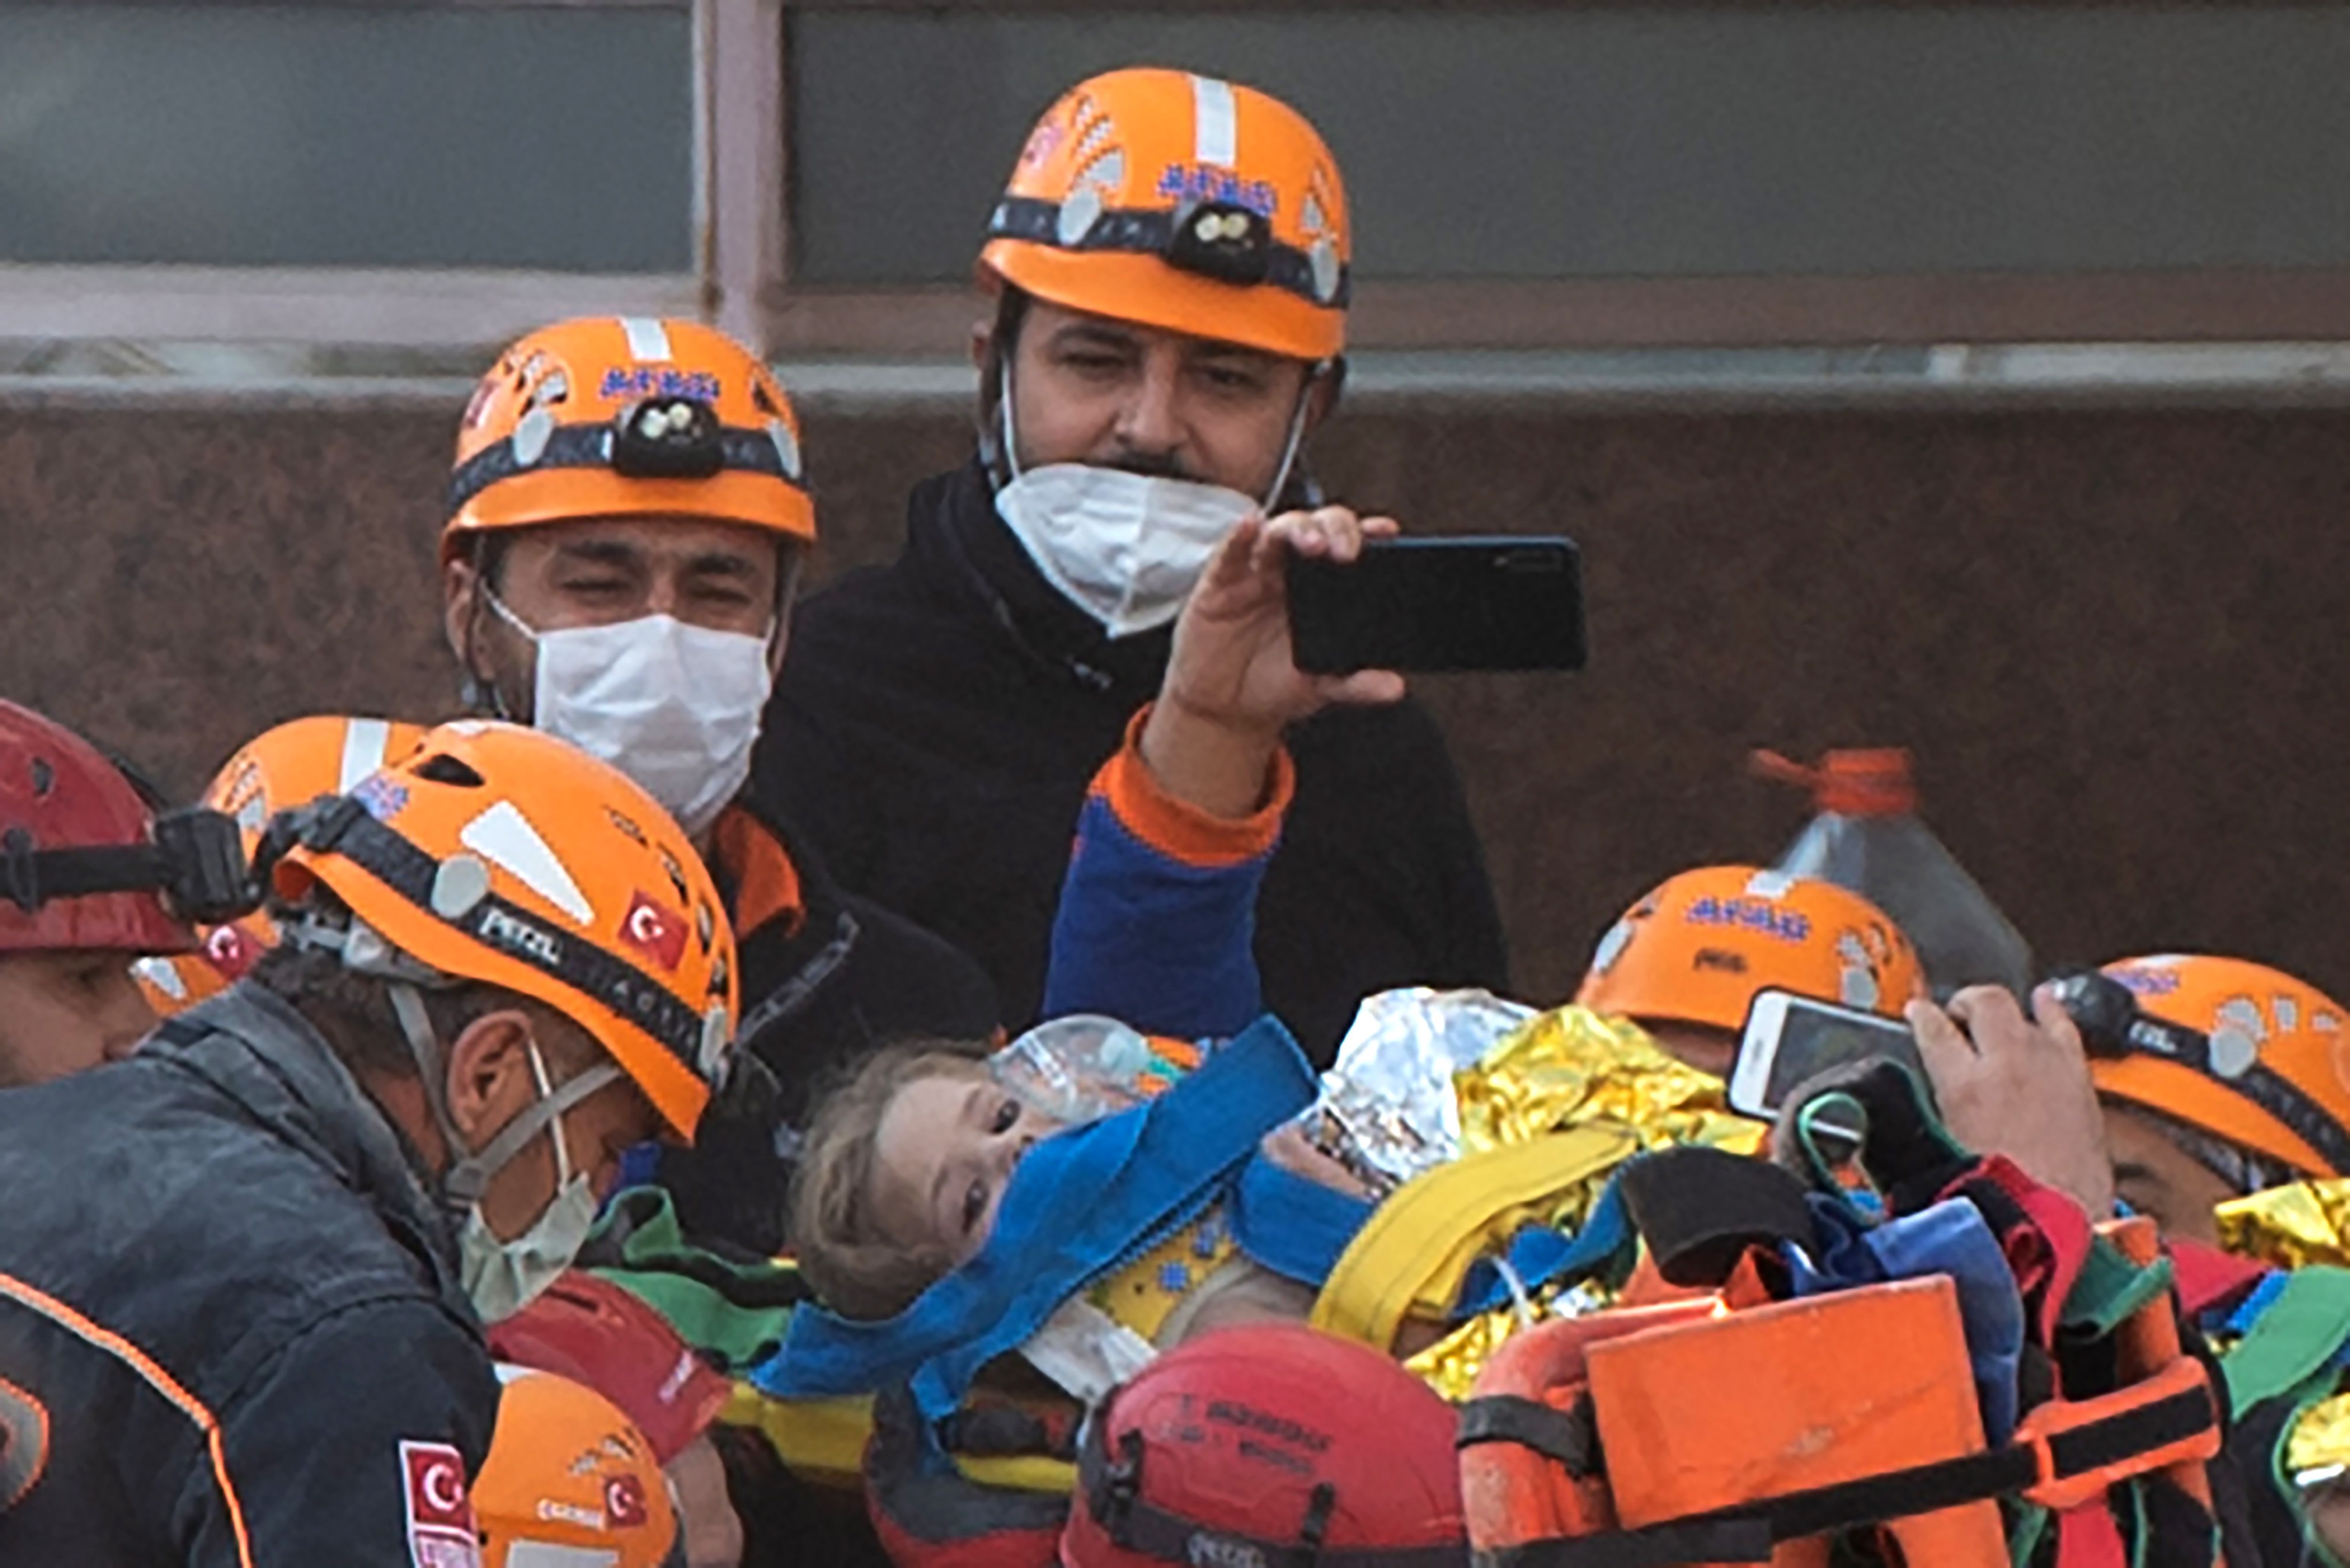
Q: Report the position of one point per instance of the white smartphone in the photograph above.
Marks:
(1791, 1038)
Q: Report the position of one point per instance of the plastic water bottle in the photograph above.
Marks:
(1083, 1067)
(1866, 837)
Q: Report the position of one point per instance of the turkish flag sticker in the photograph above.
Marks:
(440, 1515)
(624, 1500)
(655, 930)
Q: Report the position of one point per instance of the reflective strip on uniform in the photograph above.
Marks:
(43, 1304)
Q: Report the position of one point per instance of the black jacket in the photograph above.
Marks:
(224, 1235)
(827, 977)
(937, 719)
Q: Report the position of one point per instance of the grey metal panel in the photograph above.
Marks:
(257, 135)
(1626, 140)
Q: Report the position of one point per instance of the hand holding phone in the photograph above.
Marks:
(1791, 1039)
(1232, 686)
(1435, 605)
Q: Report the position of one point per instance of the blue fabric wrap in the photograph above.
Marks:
(639, 1166)
(2263, 1297)
(1080, 1203)
(1542, 1256)
(1142, 935)
(1949, 1238)
(1293, 1226)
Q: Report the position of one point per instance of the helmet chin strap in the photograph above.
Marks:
(474, 691)
(468, 1176)
(1289, 446)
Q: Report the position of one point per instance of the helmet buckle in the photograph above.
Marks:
(22, 870)
(668, 437)
(208, 882)
(1119, 1486)
(1222, 240)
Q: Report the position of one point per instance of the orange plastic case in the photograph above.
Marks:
(1802, 1394)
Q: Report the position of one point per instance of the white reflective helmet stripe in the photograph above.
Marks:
(364, 741)
(525, 1553)
(648, 338)
(503, 835)
(1215, 123)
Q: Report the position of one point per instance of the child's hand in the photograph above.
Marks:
(1288, 1147)
(1232, 686)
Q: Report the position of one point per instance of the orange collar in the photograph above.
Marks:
(766, 886)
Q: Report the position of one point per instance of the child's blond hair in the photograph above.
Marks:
(853, 1268)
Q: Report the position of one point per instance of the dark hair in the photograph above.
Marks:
(353, 1013)
(855, 1269)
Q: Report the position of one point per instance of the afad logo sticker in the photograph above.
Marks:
(655, 930)
(440, 1532)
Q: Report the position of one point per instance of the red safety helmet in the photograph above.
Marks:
(1244, 1446)
(593, 1331)
(60, 798)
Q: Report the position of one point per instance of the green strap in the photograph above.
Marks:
(2110, 1289)
(2291, 1341)
(716, 1304)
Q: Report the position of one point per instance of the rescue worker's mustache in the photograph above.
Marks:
(1153, 465)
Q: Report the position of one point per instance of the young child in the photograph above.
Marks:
(905, 1167)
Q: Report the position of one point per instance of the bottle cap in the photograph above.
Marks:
(1870, 782)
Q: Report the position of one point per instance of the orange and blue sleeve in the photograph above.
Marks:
(1157, 920)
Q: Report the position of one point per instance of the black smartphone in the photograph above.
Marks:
(1437, 605)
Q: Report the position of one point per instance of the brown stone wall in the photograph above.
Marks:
(2111, 637)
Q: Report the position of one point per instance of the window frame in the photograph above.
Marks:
(742, 278)
(736, 213)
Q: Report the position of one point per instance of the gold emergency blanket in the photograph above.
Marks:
(1570, 1068)
(2317, 1450)
(2306, 1222)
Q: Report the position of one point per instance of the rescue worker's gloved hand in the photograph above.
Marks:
(1232, 686)
(2019, 1086)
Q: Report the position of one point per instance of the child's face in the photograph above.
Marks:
(942, 1155)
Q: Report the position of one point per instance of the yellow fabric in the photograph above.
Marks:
(1574, 1067)
(2291, 1226)
(2319, 1440)
(1023, 1472)
(1143, 1294)
(1569, 1073)
(818, 1439)
(1413, 1253)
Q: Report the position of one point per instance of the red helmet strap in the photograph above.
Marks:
(1112, 1491)
(196, 859)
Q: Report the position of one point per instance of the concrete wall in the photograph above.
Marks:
(2112, 636)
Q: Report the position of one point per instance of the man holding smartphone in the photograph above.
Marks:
(1169, 263)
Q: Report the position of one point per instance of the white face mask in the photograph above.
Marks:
(501, 1278)
(1125, 548)
(675, 707)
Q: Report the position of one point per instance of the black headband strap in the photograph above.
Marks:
(1153, 232)
(344, 829)
(739, 451)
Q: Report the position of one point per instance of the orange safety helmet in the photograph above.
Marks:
(1697, 948)
(612, 415)
(569, 1481)
(285, 767)
(499, 854)
(1184, 202)
(2267, 1032)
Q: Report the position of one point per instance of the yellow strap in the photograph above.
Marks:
(1417, 1245)
(1021, 1472)
(818, 1439)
